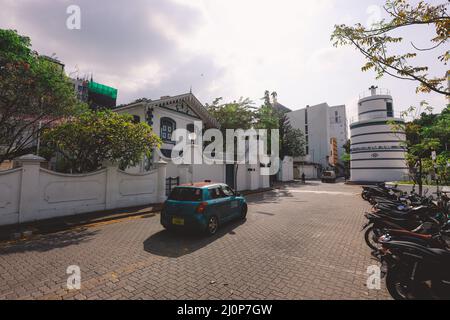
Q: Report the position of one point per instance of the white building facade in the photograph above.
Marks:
(167, 114)
(377, 146)
(325, 130)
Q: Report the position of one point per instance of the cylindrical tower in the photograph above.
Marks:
(377, 149)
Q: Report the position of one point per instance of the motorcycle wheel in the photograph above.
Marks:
(364, 195)
(400, 287)
(370, 238)
(397, 286)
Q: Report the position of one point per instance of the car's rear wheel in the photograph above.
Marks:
(244, 211)
(212, 226)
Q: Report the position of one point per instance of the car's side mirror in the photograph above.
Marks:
(238, 194)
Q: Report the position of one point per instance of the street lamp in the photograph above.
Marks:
(192, 136)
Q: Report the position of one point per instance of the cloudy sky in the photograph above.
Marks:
(222, 48)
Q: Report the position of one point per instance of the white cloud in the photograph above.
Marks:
(222, 48)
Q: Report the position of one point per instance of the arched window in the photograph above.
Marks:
(168, 126)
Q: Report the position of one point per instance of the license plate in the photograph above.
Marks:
(178, 221)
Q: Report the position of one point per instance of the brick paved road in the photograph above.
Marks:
(301, 242)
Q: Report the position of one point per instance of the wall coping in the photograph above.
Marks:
(5, 172)
(141, 174)
(72, 175)
(30, 158)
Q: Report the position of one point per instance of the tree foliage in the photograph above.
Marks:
(34, 94)
(426, 134)
(375, 42)
(242, 114)
(266, 117)
(292, 141)
(87, 141)
(346, 157)
(234, 115)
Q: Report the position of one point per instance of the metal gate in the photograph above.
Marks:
(229, 176)
(171, 183)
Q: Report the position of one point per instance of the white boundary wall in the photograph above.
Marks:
(10, 182)
(31, 193)
(287, 169)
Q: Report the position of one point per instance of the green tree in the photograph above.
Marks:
(292, 141)
(443, 167)
(266, 98)
(87, 141)
(346, 157)
(375, 43)
(34, 94)
(440, 129)
(425, 134)
(267, 118)
(235, 115)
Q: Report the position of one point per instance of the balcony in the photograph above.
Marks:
(378, 92)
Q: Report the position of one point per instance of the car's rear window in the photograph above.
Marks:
(186, 194)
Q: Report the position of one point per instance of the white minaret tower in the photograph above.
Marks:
(377, 149)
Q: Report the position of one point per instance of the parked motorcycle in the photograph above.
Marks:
(409, 234)
(414, 271)
(381, 190)
(422, 220)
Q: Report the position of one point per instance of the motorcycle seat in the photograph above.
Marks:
(397, 215)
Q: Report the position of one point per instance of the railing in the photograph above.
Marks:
(379, 92)
(171, 183)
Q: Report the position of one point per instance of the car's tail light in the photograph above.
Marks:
(202, 207)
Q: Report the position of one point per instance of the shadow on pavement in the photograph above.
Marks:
(271, 197)
(265, 213)
(175, 244)
(48, 242)
(299, 184)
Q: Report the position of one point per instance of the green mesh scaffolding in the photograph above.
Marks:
(102, 89)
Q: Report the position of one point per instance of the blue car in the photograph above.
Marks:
(202, 207)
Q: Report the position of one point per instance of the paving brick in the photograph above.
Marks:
(294, 245)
